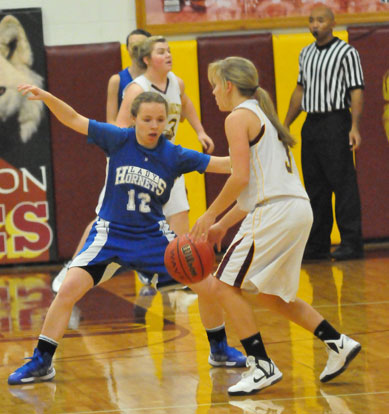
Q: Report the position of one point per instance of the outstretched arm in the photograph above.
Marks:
(189, 112)
(62, 111)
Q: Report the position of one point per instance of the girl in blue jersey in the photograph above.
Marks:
(116, 85)
(130, 229)
(118, 82)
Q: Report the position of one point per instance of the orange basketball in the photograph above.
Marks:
(189, 262)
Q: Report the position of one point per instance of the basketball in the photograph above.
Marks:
(189, 262)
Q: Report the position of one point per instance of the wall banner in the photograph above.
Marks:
(27, 228)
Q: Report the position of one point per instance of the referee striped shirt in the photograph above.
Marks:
(327, 74)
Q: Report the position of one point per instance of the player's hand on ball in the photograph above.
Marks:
(201, 227)
(215, 235)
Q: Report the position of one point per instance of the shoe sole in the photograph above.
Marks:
(218, 364)
(254, 391)
(31, 380)
(353, 353)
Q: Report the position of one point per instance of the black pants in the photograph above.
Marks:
(328, 167)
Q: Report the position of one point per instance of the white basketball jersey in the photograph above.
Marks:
(172, 94)
(273, 171)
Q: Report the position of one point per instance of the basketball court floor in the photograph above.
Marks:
(129, 349)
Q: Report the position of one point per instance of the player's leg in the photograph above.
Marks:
(211, 312)
(39, 368)
(341, 349)
(268, 233)
(59, 278)
(262, 370)
(212, 317)
(81, 277)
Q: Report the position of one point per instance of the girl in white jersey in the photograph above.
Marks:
(265, 256)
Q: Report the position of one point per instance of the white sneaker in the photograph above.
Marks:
(261, 374)
(340, 353)
(258, 406)
(57, 281)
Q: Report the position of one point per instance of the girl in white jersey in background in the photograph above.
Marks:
(265, 256)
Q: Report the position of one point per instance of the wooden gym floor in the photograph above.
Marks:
(132, 350)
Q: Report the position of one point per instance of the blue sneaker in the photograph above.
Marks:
(38, 369)
(223, 355)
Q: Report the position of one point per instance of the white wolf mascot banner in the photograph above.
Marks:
(26, 193)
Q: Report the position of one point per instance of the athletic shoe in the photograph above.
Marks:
(258, 406)
(340, 353)
(57, 281)
(261, 374)
(223, 355)
(38, 369)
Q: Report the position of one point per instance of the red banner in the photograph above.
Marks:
(26, 193)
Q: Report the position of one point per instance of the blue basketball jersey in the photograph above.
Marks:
(125, 79)
(139, 180)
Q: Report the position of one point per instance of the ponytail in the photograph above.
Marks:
(243, 74)
(266, 104)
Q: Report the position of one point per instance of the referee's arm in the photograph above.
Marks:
(356, 113)
(294, 105)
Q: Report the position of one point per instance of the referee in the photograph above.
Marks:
(330, 83)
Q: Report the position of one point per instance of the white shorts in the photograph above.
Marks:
(266, 253)
(178, 201)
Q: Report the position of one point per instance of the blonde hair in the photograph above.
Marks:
(144, 49)
(243, 74)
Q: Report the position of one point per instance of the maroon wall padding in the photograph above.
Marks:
(372, 158)
(79, 75)
(259, 49)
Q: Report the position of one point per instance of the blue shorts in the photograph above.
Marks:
(110, 246)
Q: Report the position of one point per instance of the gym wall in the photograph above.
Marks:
(79, 75)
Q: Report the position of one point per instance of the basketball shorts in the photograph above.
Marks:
(109, 247)
(178, 201)
(265, 255)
